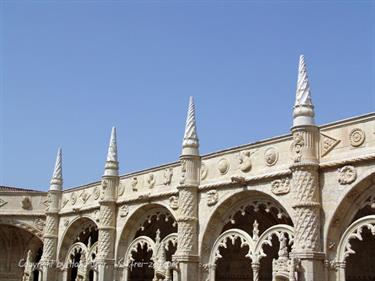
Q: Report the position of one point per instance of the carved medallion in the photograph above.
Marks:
(327, 143)
(96, 193)
(280, 186)
(212, 197)
(124, 211)
(121, 189)
(245, 161)
(271, 156)
(2, 202)
(39, 224)
(150, 180)
(84, 196)
(73, 198)
(223, 166)
(357, 137)
(204, 171)
(346, 175)
(173, 202)
(134, 183)
(168, 173)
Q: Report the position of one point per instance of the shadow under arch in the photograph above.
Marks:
(71, 232)
(25, 226)
(347, 209)
(135, 221)
(229, 206)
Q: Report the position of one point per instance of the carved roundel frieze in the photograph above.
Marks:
(223, 166)
(271, 155)
(204, 171)
(357, 137)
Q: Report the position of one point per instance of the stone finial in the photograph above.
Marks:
(303, 113)
(57, 180)
(190, 144)
(111, 165)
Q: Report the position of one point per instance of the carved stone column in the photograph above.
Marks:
(255, 267)
(107, 220)
(187, 213)
(305, 183)
(50, 237)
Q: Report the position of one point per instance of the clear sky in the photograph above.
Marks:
(70, 70)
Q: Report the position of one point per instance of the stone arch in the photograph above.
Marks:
(70, 233)
(25, 226)
(142, 241)
(224, 211)
(347, 209)
(135, 221)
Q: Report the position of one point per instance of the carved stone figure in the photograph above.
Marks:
(173, 202)
(168, 173)
(134, 183)
(26, 203)
(212, 197)
(124, 211)
(245, 161)
(150, 180)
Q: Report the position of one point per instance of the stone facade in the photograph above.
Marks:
(296, 207)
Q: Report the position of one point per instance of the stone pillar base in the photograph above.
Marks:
(188, 267)
(106, 270)
(311, 267)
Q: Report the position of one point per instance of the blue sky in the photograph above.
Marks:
(72, 69)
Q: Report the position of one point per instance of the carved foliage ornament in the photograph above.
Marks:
(346, 175)
(212, 197)
(280, 186)
(357, 137)
(297, 145)
(271, 156)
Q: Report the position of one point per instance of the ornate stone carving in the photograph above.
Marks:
(280, 186)
(150, 180)
(204, 171)
(66, 222)
(2, 202)
(39, 224)
(297, 145)
(168, 173)
(346, 175)
(327, 143)
(173, 202)
(212, 197)
(124, 211)
(64, 202)
(245, 161)
(84, 196)
(357, 137)
(183, 171)
(26, 203)
(121, 189)
(73, 198)
(96, 193)
(134, 183)
(271, 155)
(97, 216)
(223, 166)
(104, 187)
(255, 230)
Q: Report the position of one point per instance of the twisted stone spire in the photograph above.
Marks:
(57, 180)
(190, 144)
(111, 165)
(303, 112)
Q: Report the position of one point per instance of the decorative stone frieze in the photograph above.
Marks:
(223, 166)
(327, 144)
